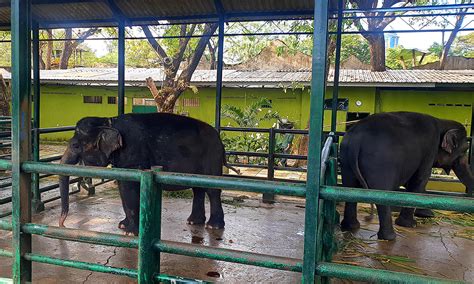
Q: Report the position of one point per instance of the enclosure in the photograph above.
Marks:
(320, 191)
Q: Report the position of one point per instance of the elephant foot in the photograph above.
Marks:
(131, 229)
(404, 222)
(123, 224)
(215, 224)
(349, 225)
(388, 235)
(192, 220)
(424, 213)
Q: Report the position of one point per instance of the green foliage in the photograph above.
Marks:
(250, 116)
(355, 45)
(5, 50)
(399, 57)
(464, 46)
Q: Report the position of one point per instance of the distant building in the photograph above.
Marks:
(391, 40)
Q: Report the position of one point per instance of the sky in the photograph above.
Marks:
(419, 40)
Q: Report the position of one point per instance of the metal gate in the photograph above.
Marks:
(320, 192)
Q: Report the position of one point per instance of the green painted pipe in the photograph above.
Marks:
(6, 253)
(373, 275)
(394, 198)
(268, 261)
(82, 236)
(81, 265)
(5, 164)
(5, 225)
(281, 188)
(132, 273)
(70, 170)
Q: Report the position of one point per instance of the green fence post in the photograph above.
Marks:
(313, 184)
(21, 136)
(37, 204)
(150, 227)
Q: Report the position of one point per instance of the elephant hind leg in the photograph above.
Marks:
(198, 213)
(350, 222)
(415, 184)
(216, 220)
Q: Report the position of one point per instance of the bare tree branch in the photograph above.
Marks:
(183, 44)
(187, 73)
(452, 36)
(154, 43)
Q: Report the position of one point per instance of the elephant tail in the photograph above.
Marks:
(230, 167)
(361, 179)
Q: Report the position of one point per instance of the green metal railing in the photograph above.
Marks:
(320, 191)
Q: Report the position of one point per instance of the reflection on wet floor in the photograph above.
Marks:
(437, 248)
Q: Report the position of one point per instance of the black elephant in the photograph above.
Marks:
(389, 150)
(140, 141)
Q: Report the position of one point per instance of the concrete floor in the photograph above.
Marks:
(250, 226)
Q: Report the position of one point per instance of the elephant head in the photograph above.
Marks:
(93, 143)
(452, 152)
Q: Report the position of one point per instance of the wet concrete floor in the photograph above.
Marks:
(430, 249)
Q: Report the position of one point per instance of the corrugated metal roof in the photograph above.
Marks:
(242, 78)
(80, 13)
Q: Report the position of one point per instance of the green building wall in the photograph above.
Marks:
(64, 105)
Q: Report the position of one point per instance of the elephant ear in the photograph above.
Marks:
(109, 140)
(450, 140)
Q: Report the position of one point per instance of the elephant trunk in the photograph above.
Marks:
(68, 158)
(463, 172)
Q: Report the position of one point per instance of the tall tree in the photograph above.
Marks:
(71, 44)
(457, 26)
(375, 25)
(175, 84)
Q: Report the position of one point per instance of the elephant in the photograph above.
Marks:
(388, 150)
(144, 140)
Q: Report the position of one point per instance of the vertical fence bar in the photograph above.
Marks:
(335, 89)
(150, 228)
(270, 197)
(121, 68)
(220, 67)
(36, 203)
(21, 132)
(318, 85)
(469, 191)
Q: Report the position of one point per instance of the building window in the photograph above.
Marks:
(92, 99)
(112, 100)
(191, 102)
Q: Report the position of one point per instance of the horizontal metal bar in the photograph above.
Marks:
(248, 166)
(5, 253)
(5, 164)
(245, 129)
(94, 172)
(290, 156)
(51, 159)
(56, 129)
(250, 154)
(83, 236)
(81, 265)
(5, 225)
(290, 131)
(249, 258)
(280, 188)
(301, 170)
(408, 8)
(372, 275)
(371, 16)
(394, 198)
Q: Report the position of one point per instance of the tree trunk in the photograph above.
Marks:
(212, 52)
(49, 50)
(377, 52)
(452, 36)
(5, 98)
(67, 50)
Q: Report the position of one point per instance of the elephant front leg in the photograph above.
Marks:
(198, 213)
(216, 220)
(416, 184)
(130, 194)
